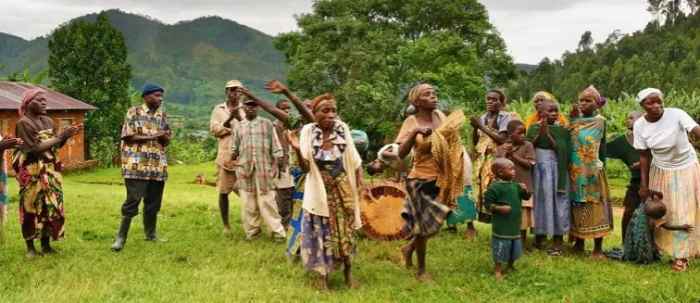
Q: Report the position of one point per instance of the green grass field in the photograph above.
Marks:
(198, 264)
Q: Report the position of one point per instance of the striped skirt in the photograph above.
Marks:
(681, 189)
(422, 212)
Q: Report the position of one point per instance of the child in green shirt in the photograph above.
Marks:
(504, 199)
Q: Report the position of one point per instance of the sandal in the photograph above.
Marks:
(680, 265)
(554, 252)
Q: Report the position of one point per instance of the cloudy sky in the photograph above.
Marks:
(532, 29)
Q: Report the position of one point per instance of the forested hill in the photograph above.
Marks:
(666, 56)
(192, 59)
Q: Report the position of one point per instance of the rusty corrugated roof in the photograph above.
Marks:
(11, 98)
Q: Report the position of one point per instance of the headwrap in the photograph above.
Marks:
(149, 88)
(544, 94)
(592, 91)
(320, 100)
(416, 91)
(648, 92)
(27, 97)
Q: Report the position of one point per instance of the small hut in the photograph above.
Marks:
(64, 110)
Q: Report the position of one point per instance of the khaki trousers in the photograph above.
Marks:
(258, 207)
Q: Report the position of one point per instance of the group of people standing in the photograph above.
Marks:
(545, 174)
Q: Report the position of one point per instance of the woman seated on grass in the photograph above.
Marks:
(331, 191)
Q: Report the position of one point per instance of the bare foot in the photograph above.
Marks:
(227, 232)
(499, 276)
(407, 253)
(424, 277)
(322, 283)
(31, 254)
(598, 255)
(470, 234)
(48, 251)
(352, 284)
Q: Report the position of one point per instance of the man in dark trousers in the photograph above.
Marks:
(145, 135)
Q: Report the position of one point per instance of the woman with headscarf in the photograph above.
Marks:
(591, 212)
(37, 170)
(436, 178)
(331, 191)
(489, 132)
(669, 165)
(535, 118)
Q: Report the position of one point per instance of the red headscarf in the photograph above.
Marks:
(27, 97)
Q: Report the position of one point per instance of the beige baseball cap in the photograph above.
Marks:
(234, 83)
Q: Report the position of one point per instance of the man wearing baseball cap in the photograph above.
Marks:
(224, 119)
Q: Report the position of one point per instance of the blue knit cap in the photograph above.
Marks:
(149, 88)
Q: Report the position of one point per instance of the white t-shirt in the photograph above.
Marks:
(667, 139)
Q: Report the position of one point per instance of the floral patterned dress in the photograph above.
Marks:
(40, 182)
(591, 210)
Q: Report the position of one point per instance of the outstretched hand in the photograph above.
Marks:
(71, 131)
(276, 87)
(10, 143)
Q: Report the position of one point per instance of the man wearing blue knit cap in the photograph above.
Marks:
(145, 135)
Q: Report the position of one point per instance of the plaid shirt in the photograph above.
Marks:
(144, 161)
(257, 149)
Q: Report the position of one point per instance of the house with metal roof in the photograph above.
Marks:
(63, 109)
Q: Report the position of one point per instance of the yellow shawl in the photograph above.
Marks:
(446, 147)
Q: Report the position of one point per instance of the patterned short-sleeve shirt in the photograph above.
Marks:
(144, 161)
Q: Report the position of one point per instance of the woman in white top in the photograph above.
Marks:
(669, 165)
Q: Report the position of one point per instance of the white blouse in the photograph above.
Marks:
(667, 139)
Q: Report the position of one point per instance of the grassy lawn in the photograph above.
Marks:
(198, 265)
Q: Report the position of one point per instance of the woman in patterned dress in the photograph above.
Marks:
(334, 175)
(591, 212)
(37, 169)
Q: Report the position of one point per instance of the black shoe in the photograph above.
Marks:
(121, 234)
(149, 228)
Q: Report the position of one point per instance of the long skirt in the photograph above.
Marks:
(681, 189)
(551, 206)
(41, 201)
(593, 220)
(639, 244)
(327, 241)
(422, 212)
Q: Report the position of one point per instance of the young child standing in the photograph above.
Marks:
(550, 177)
(504, 199)
(522, 154)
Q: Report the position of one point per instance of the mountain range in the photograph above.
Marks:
(191, 59)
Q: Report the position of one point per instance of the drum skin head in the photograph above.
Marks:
(380, 208)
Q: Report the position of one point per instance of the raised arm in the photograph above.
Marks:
(268, 107)
(276, 87)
